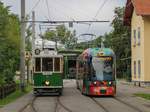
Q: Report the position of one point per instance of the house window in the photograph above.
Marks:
(139, 69)
(134, 69)
(134, 35)
(139, 35)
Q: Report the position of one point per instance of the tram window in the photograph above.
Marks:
(38, 64)
(47, 64)
(57, 64)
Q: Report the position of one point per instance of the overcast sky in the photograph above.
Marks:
(71, 10)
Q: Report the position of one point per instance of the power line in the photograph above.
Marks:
(54, 22)
(36, 4)
(75, 10)
(99, 9)
(62, 13)
(47, 5)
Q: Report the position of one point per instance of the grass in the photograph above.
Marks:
(13, 96)
(143, 95)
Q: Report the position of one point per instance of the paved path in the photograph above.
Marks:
(73, 101)
(18, 104)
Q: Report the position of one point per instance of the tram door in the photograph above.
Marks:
(70, 67)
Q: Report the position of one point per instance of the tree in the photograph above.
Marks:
(9, 49)
(119, 40)
(52, 35)
(61, 35)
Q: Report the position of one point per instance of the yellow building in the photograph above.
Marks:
(137, 15)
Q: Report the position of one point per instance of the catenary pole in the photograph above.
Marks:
(33, 41)
(22, 47)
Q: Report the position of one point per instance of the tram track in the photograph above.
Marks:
(62, 105)
(31, 104)
(128, 104)
(118, 100)
(33, 108)
(100, 105)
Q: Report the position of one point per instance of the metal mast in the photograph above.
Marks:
(33, 33)
(22, 47)
(33, 41)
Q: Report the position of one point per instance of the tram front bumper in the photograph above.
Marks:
(41, 87)
(102, 91)
(47, 89)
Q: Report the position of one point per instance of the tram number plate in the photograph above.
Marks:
(102, 91)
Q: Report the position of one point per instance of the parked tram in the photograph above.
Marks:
(47, 72)
(96, 72)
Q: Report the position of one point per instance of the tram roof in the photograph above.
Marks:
(52, 54)
(95, 51)
(48, 56)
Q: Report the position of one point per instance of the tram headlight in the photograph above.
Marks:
(47, 83)
(110, 83)
(95, 83)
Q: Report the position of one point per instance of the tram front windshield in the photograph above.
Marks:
(103, 68)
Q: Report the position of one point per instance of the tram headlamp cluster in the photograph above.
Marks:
(47, 83)
(95, 83)
(110, 83)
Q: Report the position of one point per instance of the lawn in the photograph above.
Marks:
(13, 96)
(143, 95)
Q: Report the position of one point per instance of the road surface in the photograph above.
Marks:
(73, 101)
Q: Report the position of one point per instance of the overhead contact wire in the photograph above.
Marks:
(47, 5)
(99, 9)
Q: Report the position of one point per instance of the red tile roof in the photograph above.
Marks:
(142, 7)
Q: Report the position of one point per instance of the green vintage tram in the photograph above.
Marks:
(96, 72)
(47, 72)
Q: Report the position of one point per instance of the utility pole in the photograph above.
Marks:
(33, 41)
(22, 47)
(33, 33)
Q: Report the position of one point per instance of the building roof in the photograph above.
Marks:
(142, 8)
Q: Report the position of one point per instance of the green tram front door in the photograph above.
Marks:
(69, 67)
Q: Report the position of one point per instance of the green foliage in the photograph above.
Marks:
(143, 95)
(50, 35)
(119, 41)
(9, 48)
(61, 35)
(93, 43)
